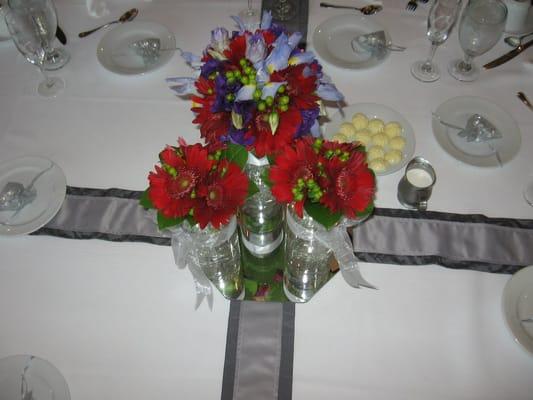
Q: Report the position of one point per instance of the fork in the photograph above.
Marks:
(411, 5)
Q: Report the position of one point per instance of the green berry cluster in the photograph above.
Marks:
(309, 187)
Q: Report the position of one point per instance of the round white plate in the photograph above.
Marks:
(115, 54)
(387, 114)
(517, 304)
(42, 378)
(456, 111)
(332, 40)
(4, 32)
(50, 188)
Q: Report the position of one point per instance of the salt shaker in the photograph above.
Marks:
(517, 13)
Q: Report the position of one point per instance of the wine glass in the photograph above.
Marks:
(32, 24)
(481, 27)
(441, 19)
(250, 17)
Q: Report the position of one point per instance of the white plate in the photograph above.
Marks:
(384, 113)
(332, 40)
(114, 52)
(4, 32)
(50, 188)
(45, 381)
(517, 304)
(457, 111)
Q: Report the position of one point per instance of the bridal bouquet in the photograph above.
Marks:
(256, 89)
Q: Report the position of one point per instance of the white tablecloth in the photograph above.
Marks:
(118, 319)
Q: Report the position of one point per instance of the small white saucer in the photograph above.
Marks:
(41, 377)
(50, 189)
(517, 304)
(115, 54)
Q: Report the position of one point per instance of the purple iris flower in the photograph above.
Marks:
(266, 21)
(255, 48)
(278, 57)
(209, 67)
(308, 119)
(219, 39)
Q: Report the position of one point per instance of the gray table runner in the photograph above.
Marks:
(391, 236)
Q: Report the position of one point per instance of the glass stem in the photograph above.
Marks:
(466, 64)
(428, 65)
(250, 5)
(49, 82)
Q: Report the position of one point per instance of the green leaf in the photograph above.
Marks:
(250, 288)
(367, 211)
(237, 154)
(164, 222)
(145, 201)
(322, 215)
(252, 188)
(266, 177)
(276, 293)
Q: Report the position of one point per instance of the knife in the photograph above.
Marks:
(508, 56)
(61, 36)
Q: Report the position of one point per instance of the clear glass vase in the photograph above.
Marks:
(261, 217)
(217, 254)
(307, 260)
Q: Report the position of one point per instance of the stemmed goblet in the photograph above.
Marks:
(32, 25)
(481, 27)
(250, 17)
(441, 19)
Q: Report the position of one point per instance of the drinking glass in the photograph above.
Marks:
(32, 24)
(441, 19)
(481, 27)
(250, 17)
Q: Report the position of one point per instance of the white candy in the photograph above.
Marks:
(340, 138)
(347, 129)
(363, 136)
(375, 152)
(393, 129)
(376, 125)
(397, 143)
(359, 121)
(393, 156)
(380, 139)
(378, 165)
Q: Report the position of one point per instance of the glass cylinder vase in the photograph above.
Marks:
(261, 217)
(217, 254)
(307, 260)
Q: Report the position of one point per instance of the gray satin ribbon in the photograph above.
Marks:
(259, 351)
(390, 236)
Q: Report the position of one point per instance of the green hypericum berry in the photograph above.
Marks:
(269, 100)
(243, 62)
(209, 91)
(230, 97)
(281, 89)
(245, 80)
(284, 100)
(248, 70)
(193, 194)
(229, 74)
(261, 106)
(283, 107)
(231, 80)
(237, 73)
(257, 94)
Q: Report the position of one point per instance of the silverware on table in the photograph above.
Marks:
(366, 10)
(411, 5)
(126, 17)
(516, 41)
(523, 98)
(508, 56)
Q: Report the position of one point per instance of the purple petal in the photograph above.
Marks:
(327, 91)
(183, 86)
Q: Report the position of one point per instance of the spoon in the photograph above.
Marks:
(523, 98)
(516, 41)
(366, 10)
(126, 17)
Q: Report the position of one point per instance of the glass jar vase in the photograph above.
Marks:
(216, 253)
(307, 260)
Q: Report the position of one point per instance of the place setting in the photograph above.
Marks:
(353, 41)
(32, 190)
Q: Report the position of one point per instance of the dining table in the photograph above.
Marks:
(118, 318)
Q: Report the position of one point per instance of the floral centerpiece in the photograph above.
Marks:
(196, 192)
(259, 90)
(328, 187)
